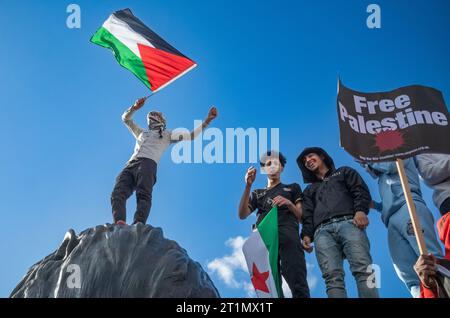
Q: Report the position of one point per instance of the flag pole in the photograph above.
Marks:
(338, 82)
(148, 96)
(411, 207)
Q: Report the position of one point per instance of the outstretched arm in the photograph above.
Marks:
(184, 135)
(127, 117)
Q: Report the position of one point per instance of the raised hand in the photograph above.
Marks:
(250, 176)
(212, 114)
(139, 103)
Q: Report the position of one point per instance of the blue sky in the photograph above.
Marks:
(262, 63)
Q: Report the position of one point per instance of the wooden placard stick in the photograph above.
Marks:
(411, 207)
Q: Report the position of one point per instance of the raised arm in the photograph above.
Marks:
(383, 167)
(185, 135)
(247, 204)
(127, 117)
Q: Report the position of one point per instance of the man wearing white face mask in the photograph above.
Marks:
(288, 198)
(139, 173)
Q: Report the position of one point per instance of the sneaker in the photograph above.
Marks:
(120, 222)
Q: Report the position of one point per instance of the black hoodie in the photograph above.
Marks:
(342, 192)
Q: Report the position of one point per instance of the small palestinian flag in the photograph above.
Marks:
(137, 48)
(261, 254)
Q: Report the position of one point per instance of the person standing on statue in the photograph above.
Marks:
(139, 173)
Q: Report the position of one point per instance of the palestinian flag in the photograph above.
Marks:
(261, 254)
(140, 50)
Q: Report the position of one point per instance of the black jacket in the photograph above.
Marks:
(342, 192)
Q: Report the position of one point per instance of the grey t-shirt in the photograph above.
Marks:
(149, 144)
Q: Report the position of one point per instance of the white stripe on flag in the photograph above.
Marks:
(255, 252)
(125, 34)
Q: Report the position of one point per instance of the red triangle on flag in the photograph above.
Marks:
(161, 66)
(259, 279)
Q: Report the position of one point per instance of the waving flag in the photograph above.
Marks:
(140, 50)
(261, 254)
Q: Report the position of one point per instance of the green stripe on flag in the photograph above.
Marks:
(268, 229)
(123, 54)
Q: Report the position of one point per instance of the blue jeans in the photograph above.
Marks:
(403, 244)
(336, 241)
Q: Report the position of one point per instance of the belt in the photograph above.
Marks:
(336, 219)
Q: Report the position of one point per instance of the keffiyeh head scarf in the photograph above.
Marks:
(156, 121)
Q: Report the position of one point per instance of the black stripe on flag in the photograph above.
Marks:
(139, 27)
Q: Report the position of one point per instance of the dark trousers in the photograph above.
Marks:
(139, 175)
(292, 258)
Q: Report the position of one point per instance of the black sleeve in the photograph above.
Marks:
(297, 194)
(307, 217)
(252, 202)
(358, 189)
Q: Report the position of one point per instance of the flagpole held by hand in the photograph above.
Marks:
(411, 207)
